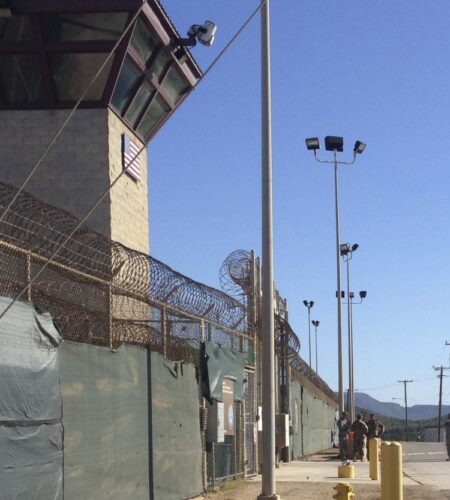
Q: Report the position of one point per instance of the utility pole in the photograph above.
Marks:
(404, 382)
(440, 369)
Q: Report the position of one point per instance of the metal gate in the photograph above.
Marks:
(251, 431)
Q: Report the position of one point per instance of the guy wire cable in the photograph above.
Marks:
(97, 203)
(70, 115)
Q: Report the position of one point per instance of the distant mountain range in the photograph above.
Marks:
(394, 410)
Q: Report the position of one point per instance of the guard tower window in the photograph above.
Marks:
(71, 72)
(20, 78)
(83, 27)
(16, 29)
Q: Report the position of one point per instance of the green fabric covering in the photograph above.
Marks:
(218, 363)
(105, 418)
(177, 448)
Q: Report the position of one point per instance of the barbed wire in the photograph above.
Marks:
(40, 228)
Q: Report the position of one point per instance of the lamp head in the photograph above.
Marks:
(205, 33)
(333, 143)
(352, 295)
(305, 302)
(344, 248)
(312, 144)
(359, 147)
(363, 294)
(355, 246)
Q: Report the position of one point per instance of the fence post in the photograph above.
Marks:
(164, 330)
(29, 276)
(110, 317)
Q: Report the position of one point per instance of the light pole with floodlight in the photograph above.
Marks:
(316, 324)
(336, 145)
(351, 389)
(309, 304)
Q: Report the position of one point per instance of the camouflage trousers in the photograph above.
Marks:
(359, 445)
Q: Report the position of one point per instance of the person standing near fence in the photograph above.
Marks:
(343, 425)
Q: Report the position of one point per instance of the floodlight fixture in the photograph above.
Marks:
(344, 248)
(333, 143)
(359, 147)
(308, 304)
(351, 295)
(312, 144)
(363, 294)
(204, 33)
(342, 294)
(355, 247)
(315, 322)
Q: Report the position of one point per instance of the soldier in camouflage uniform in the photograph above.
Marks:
(359, 428)
(343, 426)
(375, 429)
(447, 436)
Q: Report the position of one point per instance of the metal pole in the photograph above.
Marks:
(352, 373)
(309, 333)
(406, 413)
(404, 382)
(440, 404)
(339, 300)
(350, 407)
(268, 350)
(317, 364)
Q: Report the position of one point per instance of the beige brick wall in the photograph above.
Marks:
(129, 205)
(80, 166)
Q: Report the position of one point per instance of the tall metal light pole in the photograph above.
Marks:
(316, 324)
(309, 304)
(404, 382)
(268, 347)
(336, 145)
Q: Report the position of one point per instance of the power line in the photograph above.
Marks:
(103, 195)
(69, 116)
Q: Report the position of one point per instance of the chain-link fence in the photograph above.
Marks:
(101, 292)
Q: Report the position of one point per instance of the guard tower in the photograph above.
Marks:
(49, 51)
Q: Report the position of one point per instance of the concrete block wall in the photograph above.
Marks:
(129, 204)
(78, 169)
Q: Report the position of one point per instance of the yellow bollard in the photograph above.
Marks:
(385, 470)
(374, 463)
(346, 471)
(344, 491)
(396, 467)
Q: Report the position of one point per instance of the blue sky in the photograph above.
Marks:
(375, 71)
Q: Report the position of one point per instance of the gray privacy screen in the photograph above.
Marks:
(217, 363)
(106, 448)
(30, 406)
(177, 448)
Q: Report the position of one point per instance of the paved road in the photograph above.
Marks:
(424, 452)
(425, 463)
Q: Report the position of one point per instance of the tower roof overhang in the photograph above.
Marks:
(51, 49)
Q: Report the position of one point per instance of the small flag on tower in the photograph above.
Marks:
(130, 161)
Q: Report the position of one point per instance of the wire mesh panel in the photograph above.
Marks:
(225, 460)
(251, 451)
